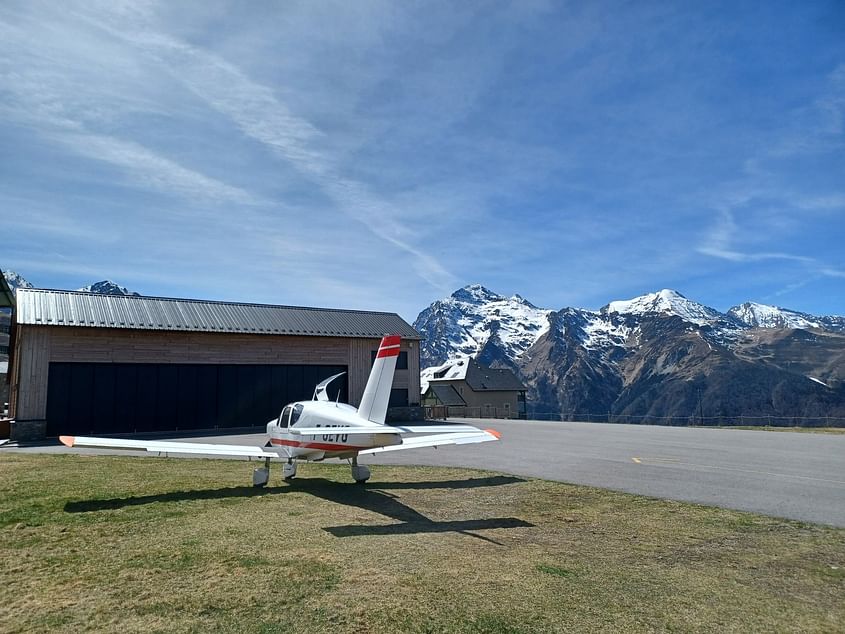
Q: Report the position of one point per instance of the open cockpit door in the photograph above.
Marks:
(321, 391)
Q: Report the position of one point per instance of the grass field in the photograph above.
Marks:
(144, 544)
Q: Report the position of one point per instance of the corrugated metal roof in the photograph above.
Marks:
(39, 307)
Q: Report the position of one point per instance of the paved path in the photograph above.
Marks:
(785, 474)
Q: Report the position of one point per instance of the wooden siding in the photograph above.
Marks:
(116, 346)
(361, 362)
(359, 367)
(413, 348)
(32, 358)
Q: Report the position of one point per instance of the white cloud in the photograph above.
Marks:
(263, 117)
(64, 100)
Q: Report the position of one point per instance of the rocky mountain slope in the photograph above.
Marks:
(15, 280)
(475, 321)
(656, 356)
(107, 287)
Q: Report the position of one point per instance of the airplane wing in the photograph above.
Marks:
(436, 440)
(163, 446)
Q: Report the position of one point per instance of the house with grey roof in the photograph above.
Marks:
(465, 387)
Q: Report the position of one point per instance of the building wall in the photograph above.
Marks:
(37, 346)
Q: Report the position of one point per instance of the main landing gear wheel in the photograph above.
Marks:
(360, 473)
(261, 476)
(289, 470)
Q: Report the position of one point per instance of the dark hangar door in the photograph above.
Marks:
(126, 398)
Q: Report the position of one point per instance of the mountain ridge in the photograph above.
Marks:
(103, 287)
(656, 355)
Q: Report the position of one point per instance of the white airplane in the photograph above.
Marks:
(320, 429)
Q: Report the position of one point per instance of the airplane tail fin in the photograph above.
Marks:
(377, 392)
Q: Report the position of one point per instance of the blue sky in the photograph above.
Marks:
(379, 155)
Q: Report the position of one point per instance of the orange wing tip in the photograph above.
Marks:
(493, 432)
(67, 440)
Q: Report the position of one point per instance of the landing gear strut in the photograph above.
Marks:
(289, 470)
(360, 473)
(262, 475)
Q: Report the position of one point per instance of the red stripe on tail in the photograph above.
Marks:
(389, 346)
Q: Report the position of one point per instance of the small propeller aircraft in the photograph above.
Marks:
(320, 429)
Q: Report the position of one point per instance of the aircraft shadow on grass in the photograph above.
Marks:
(371, 498)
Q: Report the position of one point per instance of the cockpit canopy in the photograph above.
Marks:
(290, 414)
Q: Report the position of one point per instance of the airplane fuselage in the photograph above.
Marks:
(339, 439)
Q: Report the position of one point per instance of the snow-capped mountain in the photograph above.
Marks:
(104, 287)
(107, 287)
(477, 322)
(659, 354)
(765, 316)
(665, 302)
(15, 280)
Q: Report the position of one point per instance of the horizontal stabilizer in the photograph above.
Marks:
(437, 440)
(164, 446)
(356, 429)
(434, 429)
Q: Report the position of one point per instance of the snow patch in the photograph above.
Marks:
(812, 378)
(601, 332)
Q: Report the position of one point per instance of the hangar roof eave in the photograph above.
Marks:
(44, 307)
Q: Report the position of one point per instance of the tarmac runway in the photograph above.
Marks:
(785, 474)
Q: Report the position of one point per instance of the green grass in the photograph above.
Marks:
(171, 545)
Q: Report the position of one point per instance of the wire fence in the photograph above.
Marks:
(463, 411)
(743, 420)
(740, 420)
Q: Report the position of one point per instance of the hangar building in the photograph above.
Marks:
(90, 364)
